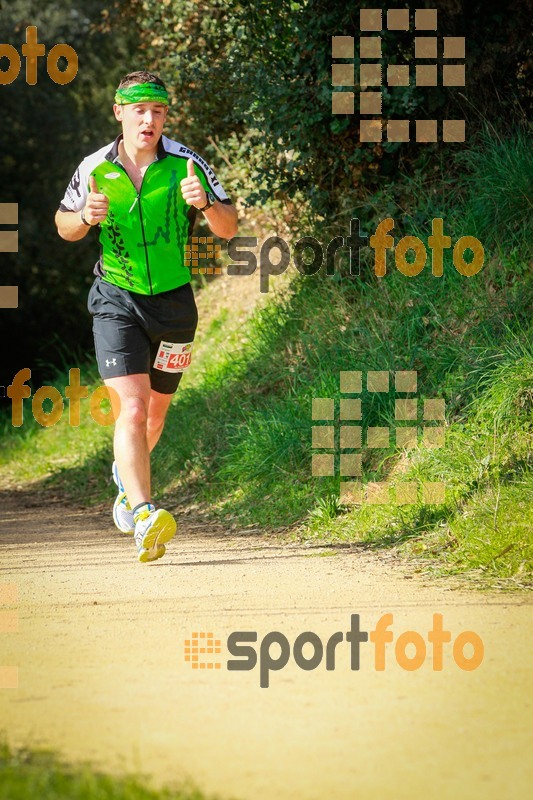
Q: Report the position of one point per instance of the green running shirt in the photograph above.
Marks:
(143, 238)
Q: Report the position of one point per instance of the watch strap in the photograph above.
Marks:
(210, 201)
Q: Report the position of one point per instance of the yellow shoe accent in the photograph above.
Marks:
(152, 530)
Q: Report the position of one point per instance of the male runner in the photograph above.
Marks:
(142, 193)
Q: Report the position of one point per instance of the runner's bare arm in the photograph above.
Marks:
(70, 225)
(221, 217)
(222, 220)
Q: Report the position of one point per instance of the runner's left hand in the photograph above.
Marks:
(192, 190)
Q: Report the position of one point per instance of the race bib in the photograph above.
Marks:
(173, 356)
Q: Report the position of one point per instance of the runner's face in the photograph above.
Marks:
(142, 123)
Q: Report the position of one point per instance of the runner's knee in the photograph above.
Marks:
(133, 411)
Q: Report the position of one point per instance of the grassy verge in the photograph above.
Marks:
(25, 774)
(238, 438)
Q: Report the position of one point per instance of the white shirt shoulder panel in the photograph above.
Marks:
(179, 149)
(77, 190)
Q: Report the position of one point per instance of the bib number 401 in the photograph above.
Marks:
(173, 356)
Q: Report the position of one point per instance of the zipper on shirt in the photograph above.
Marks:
(138, 200)
(142, 229)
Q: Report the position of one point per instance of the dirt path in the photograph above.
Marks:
(102, 674)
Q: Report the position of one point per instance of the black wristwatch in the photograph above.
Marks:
(210, 201)
(84, 220)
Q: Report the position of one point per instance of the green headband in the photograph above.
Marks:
(142, 93)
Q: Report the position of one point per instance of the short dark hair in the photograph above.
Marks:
(141, 76)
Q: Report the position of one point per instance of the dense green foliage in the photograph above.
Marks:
(255, 78)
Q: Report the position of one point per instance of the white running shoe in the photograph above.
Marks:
(152, 529)
(116, 478)
(122, 513)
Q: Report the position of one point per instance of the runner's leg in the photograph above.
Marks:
(130, 440)
(157, 411)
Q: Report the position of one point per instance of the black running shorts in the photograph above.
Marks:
(136, 333)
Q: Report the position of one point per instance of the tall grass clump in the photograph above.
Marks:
(498, 183)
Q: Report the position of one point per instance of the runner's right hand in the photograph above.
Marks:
(97, 204)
